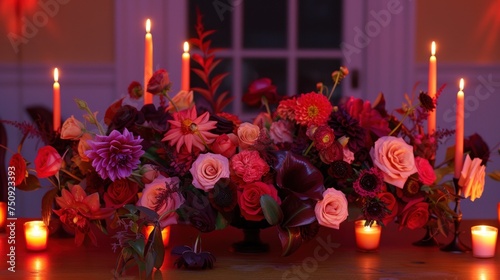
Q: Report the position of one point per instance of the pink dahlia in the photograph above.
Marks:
(312, 109)
(116, 155)
(190, 130)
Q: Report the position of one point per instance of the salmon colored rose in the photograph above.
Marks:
(249, 199)
(121, 192)
(163, 197)
(183, 100)
(72, 129)
(207, 169)
(426, 173)
(472, 178)
(415, 215)
(47, 162)
(17, 161)
(225, 145)
(395, 158)
(247, 135)
(332, 209)
(84, 146)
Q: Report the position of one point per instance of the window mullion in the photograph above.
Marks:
(292, 47)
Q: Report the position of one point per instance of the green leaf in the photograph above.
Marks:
(138, 245)
(31, 183)
(271, 209)
(48, 204)
(158, 247)
(220, 221)
(495, 175)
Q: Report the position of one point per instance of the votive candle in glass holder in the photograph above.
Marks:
(3, 215)
(36, 234)
(484, 241)
(165, 233)
(367, 237)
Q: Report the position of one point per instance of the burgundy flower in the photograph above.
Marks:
(477, 148)
(258, 89)
(116, 155)
(344, 125)
(368, 117)
(369, 183)
(135, 90)
(340, 170)
(126, 117)
(375, 210)
(159, 82)
(323, 137)
(426, 101)
(224, 195)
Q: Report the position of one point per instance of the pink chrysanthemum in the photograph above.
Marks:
(116, 155)
(190, 130)
(312, 109)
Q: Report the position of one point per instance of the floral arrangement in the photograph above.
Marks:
(301, 164)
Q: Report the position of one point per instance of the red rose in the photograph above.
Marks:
(225, 145)
(414, 215)
(47, 162)
(17, 161)
(121, 192)
(249, 199)
(332, 153)
(261, 88)
(390, 202)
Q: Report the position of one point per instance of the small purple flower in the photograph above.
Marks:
(116, 155)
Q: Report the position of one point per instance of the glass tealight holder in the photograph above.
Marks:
(484, 241)
(367, 237)
(36, 234)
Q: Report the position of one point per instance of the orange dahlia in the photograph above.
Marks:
(312, 109)
(187, 129)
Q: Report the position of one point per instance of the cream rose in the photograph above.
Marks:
(247, 134)
(394, 157)
(472, 178)
(72, 129)
(332, 209)
(208, 169)
(182, 100)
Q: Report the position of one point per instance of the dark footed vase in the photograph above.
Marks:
(251, 243)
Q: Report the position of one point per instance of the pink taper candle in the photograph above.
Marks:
(432, 88)
(148, 62)
(459, 131)
(185, 68)
(56, 101)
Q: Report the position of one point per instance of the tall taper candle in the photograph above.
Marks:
(185, 68)
(459, 131)
(148, 62)
(56, 101)
(432, 88)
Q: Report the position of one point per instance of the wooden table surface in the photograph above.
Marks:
(395, 259)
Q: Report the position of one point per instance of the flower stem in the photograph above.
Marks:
(171, 101)
(308, 149)
(71, 175)
(266, 104)
(334, 86)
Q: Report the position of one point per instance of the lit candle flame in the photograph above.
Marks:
(461, 84)
(56, 75)
(433, 48)
(186, 47)
(148, 25)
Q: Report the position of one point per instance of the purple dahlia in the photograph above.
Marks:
(116, 155)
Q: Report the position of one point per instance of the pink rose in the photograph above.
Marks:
(332, 209)
(249, 166)
(149, 173)
(121, 192)
(225, 145)
(426, 173)
(472, 178)
(84, 146)
(47, 162)
(415, 214)
(72, 129)
(249, 199)
(281, 132)
(248, 134)
(162, 196)
(207, 169)
(348, 155)
(395, 158)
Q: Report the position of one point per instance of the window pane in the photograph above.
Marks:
(216, 16)
(312, 71)
(224, 67)
(253, 69)
(265, 24)
(320, 24)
